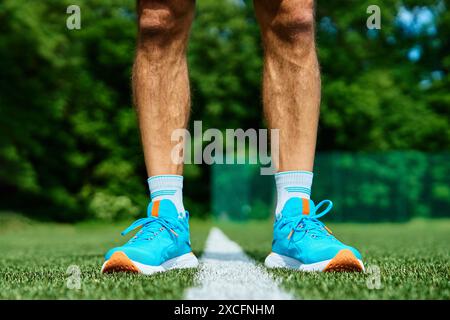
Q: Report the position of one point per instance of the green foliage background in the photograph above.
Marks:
(69, 145)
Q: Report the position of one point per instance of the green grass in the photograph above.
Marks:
(413, 259)
(35, 257)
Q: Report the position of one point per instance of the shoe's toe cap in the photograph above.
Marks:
(328, 252)
(355, 252)
(339, 248)
(112, 251)
(135, 254)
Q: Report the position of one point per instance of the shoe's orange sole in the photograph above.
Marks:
(119, 262)
(344, 261)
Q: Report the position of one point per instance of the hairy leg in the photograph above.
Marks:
(160, 79)
(291, 84)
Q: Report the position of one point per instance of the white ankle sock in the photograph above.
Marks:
(292, 184)
(167, 187)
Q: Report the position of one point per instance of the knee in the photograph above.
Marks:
(292, 21)
(163, 18)
(295, 26)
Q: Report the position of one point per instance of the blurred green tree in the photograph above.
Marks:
(69, 144)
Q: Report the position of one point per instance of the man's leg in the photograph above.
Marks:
(160, 79)
(291, 90)
(161, 94)
(291, 85)
(291, 94)
(161, 90)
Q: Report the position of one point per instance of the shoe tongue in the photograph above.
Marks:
(162, 209)
(295, 207)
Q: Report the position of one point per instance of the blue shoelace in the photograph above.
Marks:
(151, 227)
(310, 224)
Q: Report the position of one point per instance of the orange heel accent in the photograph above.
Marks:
(344, 261)
(119, 262)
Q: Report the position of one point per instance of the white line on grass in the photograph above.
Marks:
(226, 272)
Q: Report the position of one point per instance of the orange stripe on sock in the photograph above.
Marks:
(155, 209)
(305, 206)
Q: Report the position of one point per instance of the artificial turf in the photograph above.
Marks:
(413, 260)
(35, 258)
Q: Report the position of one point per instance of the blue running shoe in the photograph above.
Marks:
(161, 244)
(304, 243)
